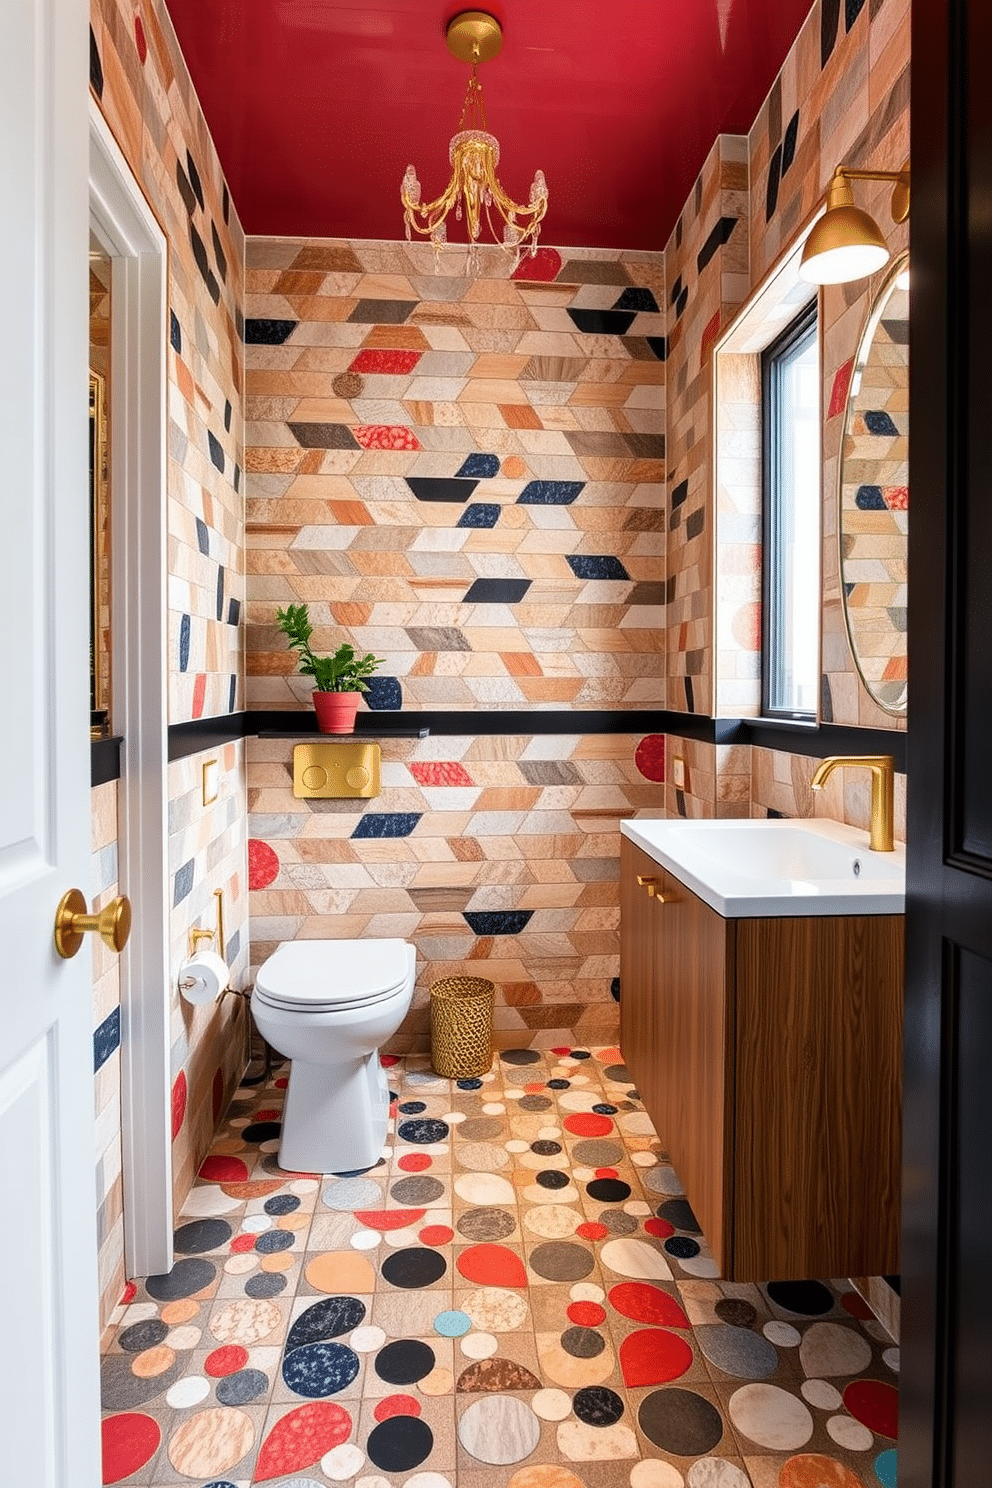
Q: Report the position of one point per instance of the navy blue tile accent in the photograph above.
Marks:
(387, 824)
(185, 189)
(234, 612)
(183, 882)
(720, 235)
(877, 421)
(260, 332)
(497, 921)
(219, 258)
(228, 411)
(232, 693)
(602, 322)
(549, 493)
(677, 286)
(829, 21)
(220, 591)
(194, 178)
(96, 67)
(237, 479)
(203, 537)
(659, 346)
(681, 303)
(852, 9)
(590, 566)
(774, 815)
(225, 204)
(106, 1039)
(870, 498)
(689, 700)
(203, 264)
(175, 333)
(497, 591)
(382, 312)
(384, 695)
(774, 179)
(679, 494)
(789, 142)
(849, 590)
(615, 989)
(482, 514)
(480, 467)
(637, 298)
(440, 488)
(184, 625)
(216, 451)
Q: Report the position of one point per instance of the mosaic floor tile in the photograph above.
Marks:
(507, 1300)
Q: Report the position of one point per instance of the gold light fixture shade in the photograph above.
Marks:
(474, 191)
(847, 243)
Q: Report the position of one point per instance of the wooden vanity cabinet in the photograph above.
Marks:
(768, 1054)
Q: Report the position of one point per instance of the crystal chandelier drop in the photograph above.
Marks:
(474, 191)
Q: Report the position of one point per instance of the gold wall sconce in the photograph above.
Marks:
(847, 243)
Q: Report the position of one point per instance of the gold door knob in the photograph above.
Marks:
(72, 922)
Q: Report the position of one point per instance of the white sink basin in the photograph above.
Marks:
(775, 868)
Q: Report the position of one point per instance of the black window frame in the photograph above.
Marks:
(802, 328)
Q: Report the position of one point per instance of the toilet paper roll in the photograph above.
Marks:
(203, 978)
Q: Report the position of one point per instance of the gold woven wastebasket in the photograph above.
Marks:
(462, 1026)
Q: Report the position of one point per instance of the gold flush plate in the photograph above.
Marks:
(326, 771)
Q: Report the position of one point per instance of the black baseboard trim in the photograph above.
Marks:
(793, 738)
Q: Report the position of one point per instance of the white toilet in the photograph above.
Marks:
(328, 1006)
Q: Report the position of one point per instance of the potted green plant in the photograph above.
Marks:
(339, 680)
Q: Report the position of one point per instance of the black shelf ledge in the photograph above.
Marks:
(105, 759)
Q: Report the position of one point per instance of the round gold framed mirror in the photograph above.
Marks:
(874, 494)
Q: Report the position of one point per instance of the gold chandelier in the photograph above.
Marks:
(474, 190)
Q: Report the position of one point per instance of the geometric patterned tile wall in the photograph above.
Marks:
(781, 787)
(140, 81)
(842, 97)
(497, 855)
(463, 474)
(707, 272)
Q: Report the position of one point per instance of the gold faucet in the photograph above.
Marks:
(882, 810)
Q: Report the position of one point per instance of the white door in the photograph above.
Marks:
(49, 1406)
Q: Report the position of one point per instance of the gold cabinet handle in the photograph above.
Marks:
(652, 885)
(72, 922)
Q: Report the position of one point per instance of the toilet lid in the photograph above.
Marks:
(321, 975)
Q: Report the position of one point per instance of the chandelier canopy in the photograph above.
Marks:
(474, 191)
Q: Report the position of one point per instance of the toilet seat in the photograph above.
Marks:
(324, 976)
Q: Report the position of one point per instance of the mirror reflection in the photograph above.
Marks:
(100, 275)
(874, 495)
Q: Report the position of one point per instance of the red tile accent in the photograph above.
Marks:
(386, 437)
(649, 757)
(199, 693)
(710, 333)
(139, 39)
(588, 1124)
(387, 363)
(592, 1231)
(647, 1304)
(896, 497)
(263, 864)
(436, 1235)
(226, 1360)
(838, 393)
(178, 1103)
(652, 1356)
(389, 1219)
(301, 1438)
(415, 1162)
(223, 1170)
(492, 1265)
(129, 1441)
(242, 1243)
(440, 772)
(586, 1314)
(875, 1404)
(396, 1405)
(544, 266)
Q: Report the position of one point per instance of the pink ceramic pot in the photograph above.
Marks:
(336, 711)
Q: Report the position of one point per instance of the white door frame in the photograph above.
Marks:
(122, 220)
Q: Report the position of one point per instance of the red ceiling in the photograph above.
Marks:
(317, 106)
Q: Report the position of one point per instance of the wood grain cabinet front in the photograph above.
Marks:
(768, 1054)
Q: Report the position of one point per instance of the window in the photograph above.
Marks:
(790, 462)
